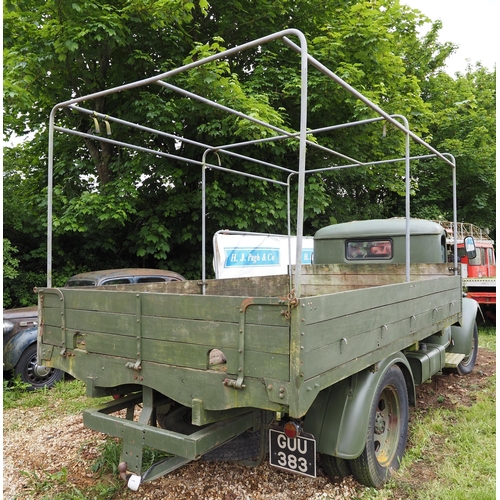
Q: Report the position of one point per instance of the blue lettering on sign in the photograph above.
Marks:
(245, 257)
(307, 256)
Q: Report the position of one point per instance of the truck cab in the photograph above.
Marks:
(483, 265)
(380, 241)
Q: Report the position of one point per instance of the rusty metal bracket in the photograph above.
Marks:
(65, 341)
(138, 334)
(292, 301)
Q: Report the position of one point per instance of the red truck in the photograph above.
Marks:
(478, 274)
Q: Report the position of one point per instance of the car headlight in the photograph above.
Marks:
(8, 326)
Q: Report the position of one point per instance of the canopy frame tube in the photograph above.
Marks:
(301, 135)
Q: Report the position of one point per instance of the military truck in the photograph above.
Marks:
(323, 358)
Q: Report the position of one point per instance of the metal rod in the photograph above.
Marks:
(314, 62)
(176, 137)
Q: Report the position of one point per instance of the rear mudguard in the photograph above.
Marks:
(16, 346)
(338, 418)
(461, 335)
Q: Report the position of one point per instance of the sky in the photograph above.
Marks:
(472, 25)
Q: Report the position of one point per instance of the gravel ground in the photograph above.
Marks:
(32, 446)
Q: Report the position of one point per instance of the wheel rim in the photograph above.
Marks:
(386, 427)
(37, 374)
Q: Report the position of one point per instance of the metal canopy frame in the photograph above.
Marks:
(306, 60)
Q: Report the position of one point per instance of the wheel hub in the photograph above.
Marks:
(379, 423)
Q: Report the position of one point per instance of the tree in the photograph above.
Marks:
(464, 124)
(113, 207)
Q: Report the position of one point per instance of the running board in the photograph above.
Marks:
(452, 360)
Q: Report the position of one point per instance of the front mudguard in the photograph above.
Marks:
(17, 345)
(338, 418)
(461, 335)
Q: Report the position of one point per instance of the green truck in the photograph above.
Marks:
(323, 359)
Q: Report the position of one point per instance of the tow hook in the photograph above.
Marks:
(133, 480)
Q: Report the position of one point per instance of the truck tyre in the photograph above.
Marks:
(335, 466)
(387, 431)
(31, 373)
(467, 364)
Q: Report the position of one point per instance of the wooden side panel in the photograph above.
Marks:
(339, 328)
(335, 278)
(178, 330)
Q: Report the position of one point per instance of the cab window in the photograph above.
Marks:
(491, 257)
(479, 259)
(369, 249)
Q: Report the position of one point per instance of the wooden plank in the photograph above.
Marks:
(324, 307)
(99, 300)
(324, 279)
(317, 335)
(196, 356)
(258, 286)
(266, 365)
(361, 342)
(52, 335)
(262, 338)
(441, 269)
(198, 307)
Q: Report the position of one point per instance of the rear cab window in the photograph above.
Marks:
(369, 249)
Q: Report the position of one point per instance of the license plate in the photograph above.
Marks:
(296, 454)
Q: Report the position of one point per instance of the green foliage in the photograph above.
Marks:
(10, 268)
(13, 390)
(10, 263)
(68, 396)
(109, 457)
(487, 337)
(116, 208)
(464, 124)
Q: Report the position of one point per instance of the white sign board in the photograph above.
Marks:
(238, 255)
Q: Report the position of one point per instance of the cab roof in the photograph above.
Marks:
(377, 228)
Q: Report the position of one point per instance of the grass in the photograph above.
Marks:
(487, 337)
(68, 397)
(457, 447)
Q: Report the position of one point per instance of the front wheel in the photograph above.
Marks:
(467, 364)
(387, 431)
(32, 373)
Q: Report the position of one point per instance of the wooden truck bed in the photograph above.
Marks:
(280, 351)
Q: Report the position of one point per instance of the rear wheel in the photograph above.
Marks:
(387, 431)
(467, 364)
(335, 466)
